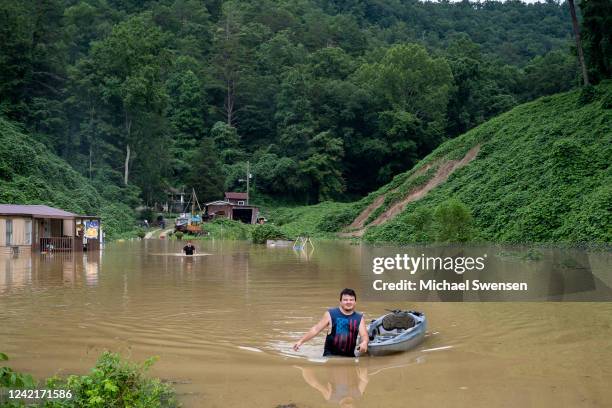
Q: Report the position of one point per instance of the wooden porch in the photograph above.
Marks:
(65, 235)
(59, 244)
(45, 229)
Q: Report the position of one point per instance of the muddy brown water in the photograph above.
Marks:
(223, 326)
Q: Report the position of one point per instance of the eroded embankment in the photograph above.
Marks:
(363, 217)
(358, 227)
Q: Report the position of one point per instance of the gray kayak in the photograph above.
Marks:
(395, 332)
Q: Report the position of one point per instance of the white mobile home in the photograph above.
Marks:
(44, 228)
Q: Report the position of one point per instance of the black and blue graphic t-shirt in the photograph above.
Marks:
(342, 339)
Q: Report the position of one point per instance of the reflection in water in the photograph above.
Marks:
(343, 381)
(342, 384)
(15, 272)
(304, 254)
(187, 264)
(39, 270)
(91, 260)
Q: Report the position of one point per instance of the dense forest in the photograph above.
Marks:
(324, 99)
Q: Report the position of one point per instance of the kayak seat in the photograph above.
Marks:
(397, 321)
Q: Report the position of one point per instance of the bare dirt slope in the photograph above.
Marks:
(359, 222)
(363, 216)
(444, 171)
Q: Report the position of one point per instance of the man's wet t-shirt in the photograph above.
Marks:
(342, 339)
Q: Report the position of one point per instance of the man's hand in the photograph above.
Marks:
(363, 332)
(363, 346)
(314, 330)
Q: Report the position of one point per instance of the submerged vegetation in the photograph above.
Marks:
(262, 233)
(228, 229)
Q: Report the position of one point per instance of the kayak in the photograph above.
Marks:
(395, 332)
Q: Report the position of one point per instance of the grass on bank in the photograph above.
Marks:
(236, 230)
(318, 221)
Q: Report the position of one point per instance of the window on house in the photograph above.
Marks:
(240, 202)
(28, 232)
(9, 232)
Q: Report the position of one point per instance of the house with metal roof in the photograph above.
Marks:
(235, 206)
(43, 228)
(237, 198)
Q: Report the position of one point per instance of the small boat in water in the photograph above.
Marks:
(395, 332)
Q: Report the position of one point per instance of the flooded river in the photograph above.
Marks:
(223, 325)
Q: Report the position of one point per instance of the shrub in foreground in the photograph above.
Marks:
(112, 383)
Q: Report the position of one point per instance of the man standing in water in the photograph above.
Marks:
(345, 324)
(189, 249)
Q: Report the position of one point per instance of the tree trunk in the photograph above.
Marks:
(585, 75)
(229, 75)
(127, 165)
(229, 103)
(91, 136)
(128, 128)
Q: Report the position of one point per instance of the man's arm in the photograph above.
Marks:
(314, 330)
(363, 332)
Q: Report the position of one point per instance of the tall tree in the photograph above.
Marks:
(206, 175)
(33, 68)
(229, 57)
(323, 166)
(16, 25)
(585, 75)
(411, 90)
(597, 37)
(129, 68)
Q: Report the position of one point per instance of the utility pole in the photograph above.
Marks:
(192, 201)
(248, 180)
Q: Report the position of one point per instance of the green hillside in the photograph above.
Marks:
(541, 175)
(31, 174)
